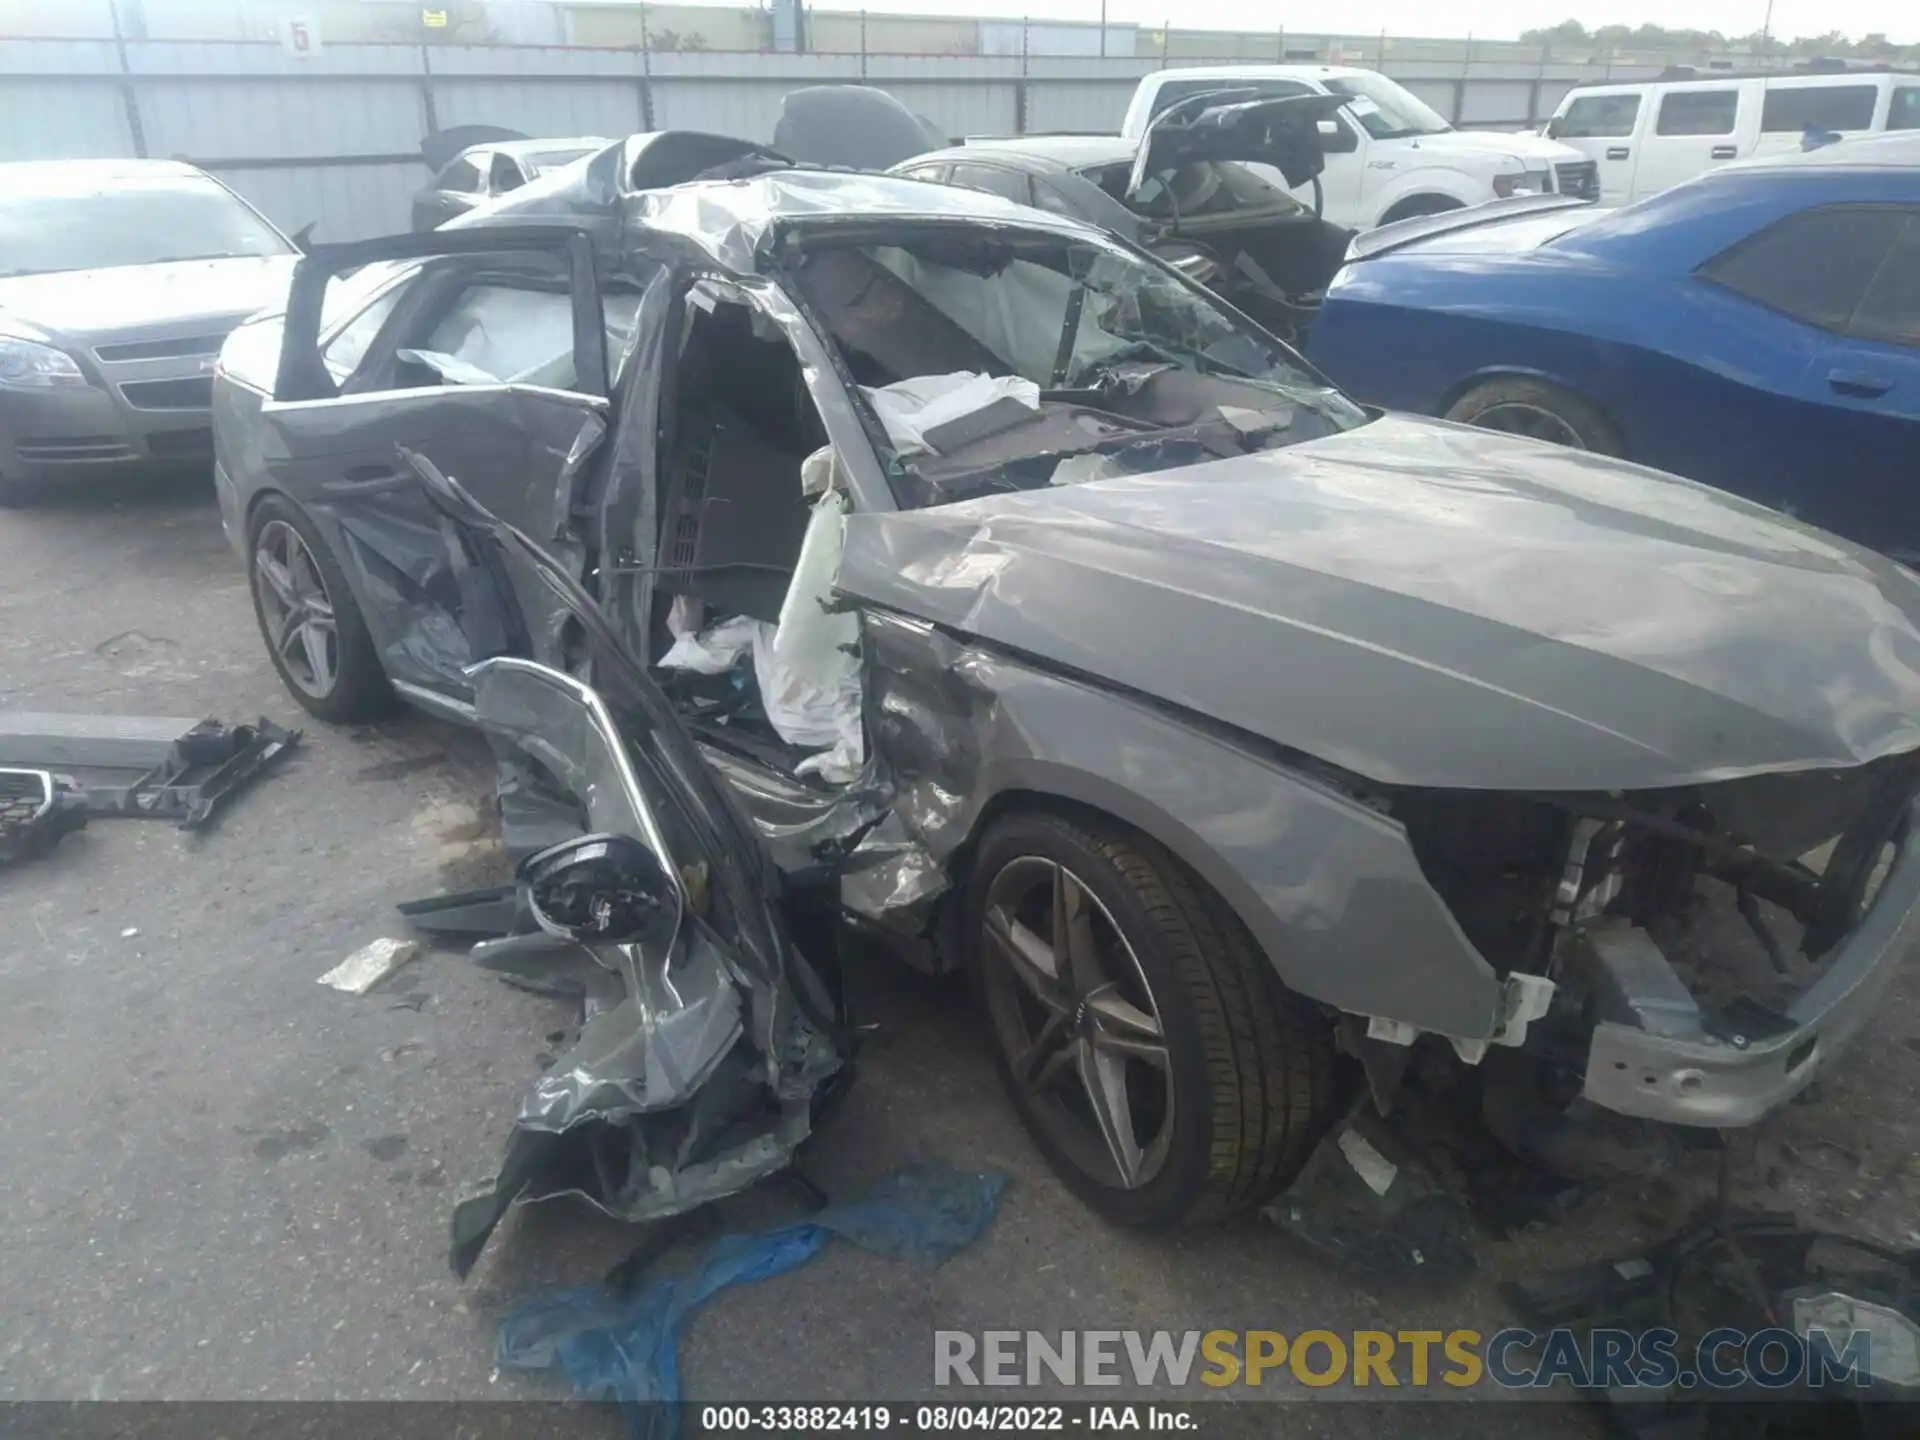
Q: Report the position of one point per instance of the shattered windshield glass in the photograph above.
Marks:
(990, 358)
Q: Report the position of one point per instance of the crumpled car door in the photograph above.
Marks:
(523, 445)
(704, 1058)
(1229, 124)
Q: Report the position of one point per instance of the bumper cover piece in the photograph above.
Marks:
(36, 809)
(134, 767)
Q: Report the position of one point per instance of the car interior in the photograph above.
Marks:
(1257, 245)
(737, 426)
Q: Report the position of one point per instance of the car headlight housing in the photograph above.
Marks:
(1532, 182)
(27, 366)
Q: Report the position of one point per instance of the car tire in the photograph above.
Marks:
(1420, 205)
(351, 686)
(1251, 1066)
(1538, 410)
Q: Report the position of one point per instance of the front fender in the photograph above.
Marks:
(1328, 887)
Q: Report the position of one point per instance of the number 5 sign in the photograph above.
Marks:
(300, 37)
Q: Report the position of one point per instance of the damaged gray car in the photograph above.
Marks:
(981, 571)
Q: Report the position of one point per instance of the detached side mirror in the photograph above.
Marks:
(609, 889)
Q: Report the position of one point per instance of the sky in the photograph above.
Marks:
(1491, 19)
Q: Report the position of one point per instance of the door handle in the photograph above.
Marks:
(364, 480)
(1618, 152)
(1723, 152)
(1863, 383)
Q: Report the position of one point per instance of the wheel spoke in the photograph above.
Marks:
(279, 581)
(314, 638)
(1105, 1079)
(1122, 1029)
(291, 629)
(1030, 958)
(1049, 1059)
(1073, 945)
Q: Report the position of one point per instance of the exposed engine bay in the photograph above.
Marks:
(1704, 913)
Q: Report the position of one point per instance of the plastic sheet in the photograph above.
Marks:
(627, 1350)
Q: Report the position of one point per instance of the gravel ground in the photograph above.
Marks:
(224, 1181)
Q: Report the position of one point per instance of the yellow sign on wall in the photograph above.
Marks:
(434, 19)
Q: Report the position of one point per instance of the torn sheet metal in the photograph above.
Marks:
(704, 1050)
(734, 222)
(1568, 615)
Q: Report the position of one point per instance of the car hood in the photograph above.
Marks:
(86, 303)
(1533, 151)
(1428, 604)
(1500, 227)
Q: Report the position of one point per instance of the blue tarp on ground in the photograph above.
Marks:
(625, 1350)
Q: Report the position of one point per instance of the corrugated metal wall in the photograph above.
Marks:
(332, 139)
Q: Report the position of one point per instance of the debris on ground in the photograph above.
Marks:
(1750, 1274)
(370, 964)
(624, 1349)
(36, 809)
(145, 768)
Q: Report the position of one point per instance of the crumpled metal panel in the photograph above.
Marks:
(733, 221)
(1327, 886)
(1426, 604)
(697, 1068)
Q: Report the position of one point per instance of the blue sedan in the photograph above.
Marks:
(1757, 329)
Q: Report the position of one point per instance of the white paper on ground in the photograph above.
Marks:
(369, 965)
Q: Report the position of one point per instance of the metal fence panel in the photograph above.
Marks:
(1495, 102)
(1090, 107)
(245, 119)
(62, 120)
(541, 107)
(342, 202)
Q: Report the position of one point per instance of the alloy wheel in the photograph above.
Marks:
(1533, 421)
(1076, 1020)
(296, 608)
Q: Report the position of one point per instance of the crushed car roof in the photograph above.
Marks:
(1071, 152)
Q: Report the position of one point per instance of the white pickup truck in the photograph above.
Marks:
(1388, 154)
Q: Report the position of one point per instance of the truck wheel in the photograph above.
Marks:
(1538, 410)
(1157, 1062)
(1419, 205)
(315, 634)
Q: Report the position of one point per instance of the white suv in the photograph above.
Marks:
(1388, 154)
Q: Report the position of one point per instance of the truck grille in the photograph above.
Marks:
(1578, 178)
(190, 394)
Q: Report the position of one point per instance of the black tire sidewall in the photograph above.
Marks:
(360, 689)
(1165, 1200)
(1595, 434)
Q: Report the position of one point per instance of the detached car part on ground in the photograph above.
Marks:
(1757, 328)
(1075, 631)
